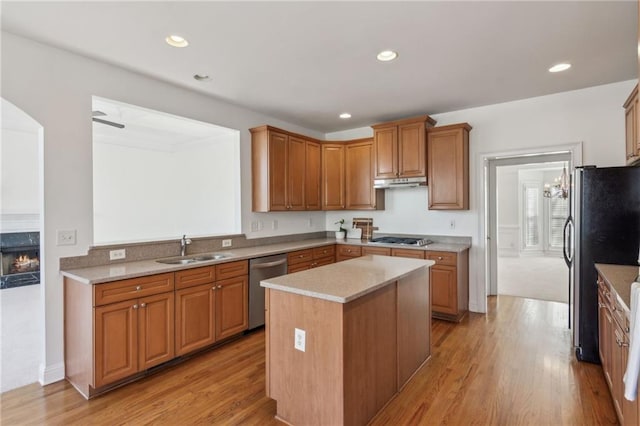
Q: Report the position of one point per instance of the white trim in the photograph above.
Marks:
(51, 373)
(482, 162)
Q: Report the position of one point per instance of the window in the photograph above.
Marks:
(557, 216)
(531, 216)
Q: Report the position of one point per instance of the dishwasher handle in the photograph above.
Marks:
(268, 264)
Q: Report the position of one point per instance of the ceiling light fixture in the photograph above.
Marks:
(345, 115)
(176, 41)
(202, 77)
(387, 55)
(560, 67)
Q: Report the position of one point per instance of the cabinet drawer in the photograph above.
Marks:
(322, 252)
(416, 254)
(119, 291)
(381, 251)
(232, 269)
(443, 257)
(322, 261)
(299, 256)
(349, 251)
(195, 276)
(302, 266)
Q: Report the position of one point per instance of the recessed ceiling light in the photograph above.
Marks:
(560, 67)
(176, 41)
(387, 55)
(202, 77)
(345, 115)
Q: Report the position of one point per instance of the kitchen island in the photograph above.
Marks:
(343, 339)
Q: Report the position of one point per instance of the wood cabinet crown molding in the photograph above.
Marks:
(429, 122)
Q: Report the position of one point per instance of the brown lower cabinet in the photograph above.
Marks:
(301, 260)
(347, 251)
(115, 332)
(613, 333)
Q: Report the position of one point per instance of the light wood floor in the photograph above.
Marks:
(512, 366)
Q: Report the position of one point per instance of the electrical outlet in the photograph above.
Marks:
(254, 226)
(274, 225)
(66, 237)
(452, 224)
(300, 338)
(117, 254)
(260, 225)
(226, 243)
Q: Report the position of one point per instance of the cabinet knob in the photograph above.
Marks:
(601, 305)
(324, 252)
(138, 287)
(301, 256)
(213, 288)
(135, 306)
(142, 305)
(621, 343)
(348, 250)
(219, 287)
(439, 257)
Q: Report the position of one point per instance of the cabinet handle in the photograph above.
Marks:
(138, 287)
(142, 305)
(614, 309)
(219, 287)
(621, 343)
(213, 288)
(301, 256)
(439, 257)
(135, 306)
(601, 305)
(348, 250)
(627, 329)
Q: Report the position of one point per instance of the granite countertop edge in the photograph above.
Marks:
(126, 270)
(318, 293)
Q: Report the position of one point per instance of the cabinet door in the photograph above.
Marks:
(609, 339)
(448, 159)
(116, 342)
(195, 318)
(603, 336)
(629, 408)
(156, 336)
(617, 369)
(333, 181)
(631, 129)
(278, 171)
(386, 152)
(412, 150)
(444, 292)
(232, 313)
(296, 173)
(312, 193)
(360, 194)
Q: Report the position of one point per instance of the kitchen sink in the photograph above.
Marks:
(193, 259)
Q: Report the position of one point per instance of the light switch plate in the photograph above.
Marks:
(66, 237)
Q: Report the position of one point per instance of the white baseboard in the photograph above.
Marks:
(51, 373)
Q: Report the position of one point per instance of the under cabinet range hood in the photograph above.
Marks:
(400, 182)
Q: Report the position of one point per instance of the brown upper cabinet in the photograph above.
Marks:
(333, 182)
(448, 164)
(400, 147)
(359, 163)
(285, 169)
(632, 135)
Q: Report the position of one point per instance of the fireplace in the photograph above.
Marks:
(19, 259)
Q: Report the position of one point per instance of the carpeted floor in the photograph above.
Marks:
(544, 278)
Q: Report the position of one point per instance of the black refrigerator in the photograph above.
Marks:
(603, 227)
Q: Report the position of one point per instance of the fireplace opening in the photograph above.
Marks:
(19, 259)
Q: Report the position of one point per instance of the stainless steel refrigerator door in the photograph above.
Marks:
(574, 274)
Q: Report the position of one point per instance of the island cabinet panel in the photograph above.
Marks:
(356, 355)
(448, 165)
(414, 332)
(369, 354)
(305, 383)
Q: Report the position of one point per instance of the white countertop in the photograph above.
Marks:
(125, 270)
(345, 281)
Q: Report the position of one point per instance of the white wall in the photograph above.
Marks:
(55, 88)
(593, 116)
(508, 210)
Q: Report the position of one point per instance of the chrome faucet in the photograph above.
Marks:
(184, 242)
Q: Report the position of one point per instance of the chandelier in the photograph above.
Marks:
(559, 188)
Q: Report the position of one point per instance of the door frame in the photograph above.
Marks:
(488, 211)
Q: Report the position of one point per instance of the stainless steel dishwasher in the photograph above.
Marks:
(260, 269)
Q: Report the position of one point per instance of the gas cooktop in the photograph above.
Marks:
(406, 241)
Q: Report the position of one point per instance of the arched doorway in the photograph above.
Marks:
(21, 222)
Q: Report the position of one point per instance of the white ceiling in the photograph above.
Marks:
(306, 62)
